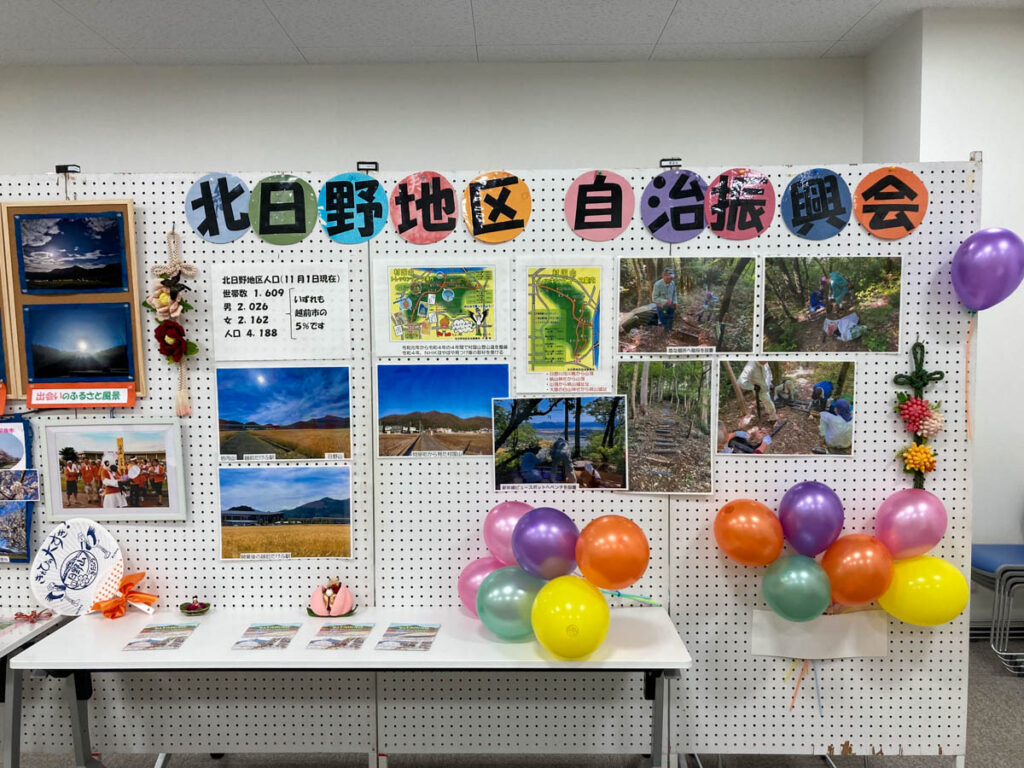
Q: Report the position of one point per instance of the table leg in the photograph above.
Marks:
(79, 688)
(12, 716)
(162, 760)
(656, 690)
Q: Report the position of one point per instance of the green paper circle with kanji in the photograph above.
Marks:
(282, 209)
(352, 207)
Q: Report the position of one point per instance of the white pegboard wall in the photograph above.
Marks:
(427, 516)
(183, 559)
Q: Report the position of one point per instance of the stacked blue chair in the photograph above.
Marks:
(1000, 567)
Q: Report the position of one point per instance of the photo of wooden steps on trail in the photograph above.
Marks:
(665, 455)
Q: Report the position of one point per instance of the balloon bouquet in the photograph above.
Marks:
(526, 587)
(890, 567)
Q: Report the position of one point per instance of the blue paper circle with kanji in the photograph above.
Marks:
(817, 204)
(352, 207)
(672, 205)
(217, 207)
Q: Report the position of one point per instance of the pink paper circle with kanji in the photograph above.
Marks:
(423, 207)
(740, 204)
(599, 205)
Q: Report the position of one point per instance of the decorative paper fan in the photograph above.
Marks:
(78, 564)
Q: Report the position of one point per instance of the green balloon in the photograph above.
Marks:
(505, 599)
(797, 588)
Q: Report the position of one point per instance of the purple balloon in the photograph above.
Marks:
(544, 543)
(987, 267)
(812, 517)
(910, 522)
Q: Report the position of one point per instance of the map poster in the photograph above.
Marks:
(431, 304)
(455, 306)
(563, 328)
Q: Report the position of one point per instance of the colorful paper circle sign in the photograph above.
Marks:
(672, 205)
(599, 205)
(423, 207)
(817, 204)
(78, 564)
(217, 207)
(890, 203)
(352, 208)
(740, 204)
(496, 206)
(282, 209)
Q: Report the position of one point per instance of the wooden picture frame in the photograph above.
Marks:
(118, 283)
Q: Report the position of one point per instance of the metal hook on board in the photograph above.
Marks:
(66, 170)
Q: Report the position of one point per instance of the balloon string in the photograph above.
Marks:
(799, 679)
(637, 598)
(967, 376)
(791, 668)
(817, 690)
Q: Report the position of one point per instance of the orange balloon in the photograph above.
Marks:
(859, 567)
(612, 552)
(748, 532)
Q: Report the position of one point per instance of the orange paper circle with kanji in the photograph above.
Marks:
(496, 206)
(890, 203)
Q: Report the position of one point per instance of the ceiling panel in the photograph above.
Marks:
(888, 15)
(43, 27)
(565, 53)
(717, 51)
(180, 23)
(355, 23)
(743, 21)
(213, 55)
(61, 57)
(391, 54)
(538, 22)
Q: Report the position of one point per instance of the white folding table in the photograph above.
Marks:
(12, 640)
(640, 640)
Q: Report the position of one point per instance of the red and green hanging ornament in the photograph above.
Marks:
(921, 417)
(166, 298)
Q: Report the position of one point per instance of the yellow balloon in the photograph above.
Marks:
(926, 591)
(570, 617)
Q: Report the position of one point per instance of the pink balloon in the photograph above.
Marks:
(471, 577)
(910, 522)
(498, 527)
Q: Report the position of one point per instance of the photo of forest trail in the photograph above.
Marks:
(669, 425)
(722, 321)
(861, 293)
(797, 416)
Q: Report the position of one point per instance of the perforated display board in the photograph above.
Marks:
(417, 521)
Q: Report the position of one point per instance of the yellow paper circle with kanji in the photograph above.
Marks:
(496, 206)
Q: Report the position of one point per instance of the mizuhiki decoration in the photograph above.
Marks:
(196, 608)
(166, 299)
(921, 417)
(331, 599)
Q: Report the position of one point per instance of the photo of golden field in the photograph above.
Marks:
(283, 414)
(285, 511)
(469, 444)
(297, 540)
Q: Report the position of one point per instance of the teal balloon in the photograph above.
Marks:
(505, 599)
(797, 588)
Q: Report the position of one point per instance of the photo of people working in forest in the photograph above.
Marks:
(684, 303)
(786, 407)
(669, 405)
(579, 441)
(832, 304)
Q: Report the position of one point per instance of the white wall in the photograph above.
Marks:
(444, 116)
(892, 96)
(973, 71)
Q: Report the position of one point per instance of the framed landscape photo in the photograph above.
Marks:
(71, 299)
(114, 469)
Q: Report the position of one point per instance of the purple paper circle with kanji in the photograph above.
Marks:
(672, 205)
(740, 204)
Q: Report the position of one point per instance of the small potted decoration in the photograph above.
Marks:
(196, 608)
(331, 599)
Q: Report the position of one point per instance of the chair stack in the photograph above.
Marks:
(1000, 567)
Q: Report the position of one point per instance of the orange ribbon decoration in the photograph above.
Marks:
(116, 607)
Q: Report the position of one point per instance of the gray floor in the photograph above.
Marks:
(995, 739)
